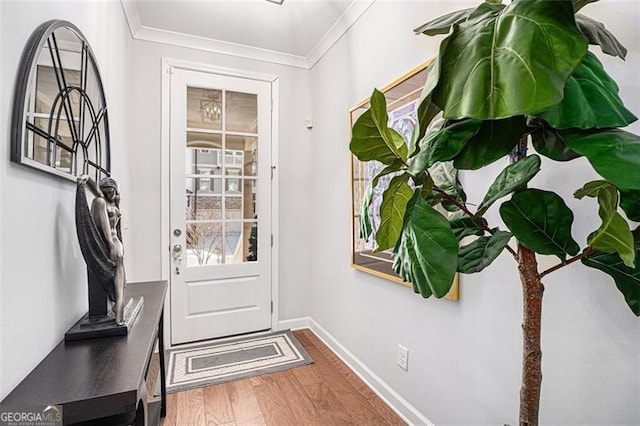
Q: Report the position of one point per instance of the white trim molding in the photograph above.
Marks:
(294, 324)
(393, 399)
(156, 35)
(339, 28)
(275, 197)
(131, 14)
(217, 46)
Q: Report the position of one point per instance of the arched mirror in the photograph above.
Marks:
(60, 122)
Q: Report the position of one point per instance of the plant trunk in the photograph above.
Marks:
(532, 290)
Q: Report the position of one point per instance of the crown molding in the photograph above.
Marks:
(131, 14)
(218, 46)
(339, 28)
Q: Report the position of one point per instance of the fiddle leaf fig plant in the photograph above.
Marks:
(508, 78)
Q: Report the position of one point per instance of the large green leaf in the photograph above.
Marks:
(636, 238)
(597, 34)
(371, 137)
(445, 177)
(443, 24)
(613, 235)
(627, 279)
(393, 139)
(511, 61)
(476, 256)
(630, 203)
(494, 140)
(513, 177)
(463, 225)
(427, 110)
(590, 100)
(367, 143)
(548, 142)
(614, 153)
(365, 228)
(427, 252)
(443, 141)
(599, 189)
(541, 221)
(392, 210)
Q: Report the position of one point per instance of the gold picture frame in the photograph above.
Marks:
(402, 97)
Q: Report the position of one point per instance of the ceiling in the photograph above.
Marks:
(294, 33)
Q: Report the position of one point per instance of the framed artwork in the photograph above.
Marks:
(402, 97)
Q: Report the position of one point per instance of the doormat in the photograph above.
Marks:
(220, 362)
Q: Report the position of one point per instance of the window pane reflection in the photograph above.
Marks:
(204, 108)
(242, 112)
(204, 244)
(241, 242)
(203, 161)
(204, 198)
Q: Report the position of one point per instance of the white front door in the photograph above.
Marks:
(220, 216)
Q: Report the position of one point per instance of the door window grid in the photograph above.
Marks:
(217, 176)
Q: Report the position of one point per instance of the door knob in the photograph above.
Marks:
(177, 257)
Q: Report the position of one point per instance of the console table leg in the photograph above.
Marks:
(163, 381)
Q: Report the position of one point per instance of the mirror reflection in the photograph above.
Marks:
(60, 117)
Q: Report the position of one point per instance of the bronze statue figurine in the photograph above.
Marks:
(101, 244)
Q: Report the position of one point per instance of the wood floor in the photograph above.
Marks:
(326, 392)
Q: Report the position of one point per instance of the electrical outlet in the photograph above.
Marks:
(403, 357)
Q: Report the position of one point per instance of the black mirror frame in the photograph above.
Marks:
(24, 80)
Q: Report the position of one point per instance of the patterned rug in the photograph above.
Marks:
(220, 362)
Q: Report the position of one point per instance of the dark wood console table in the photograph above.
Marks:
(104, 380)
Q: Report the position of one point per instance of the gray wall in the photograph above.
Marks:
(464, 360)
(42, 275)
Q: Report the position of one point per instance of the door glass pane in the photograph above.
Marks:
(242, 112)
(233, 207)
(232, 185)
(233, 252)
(204, 154)
(204, 244)
(222, 172)
(204, 140)
(204, 108)
(251, 241)
(249, 199)
(244, 153)
(241, 242)
(204, 198)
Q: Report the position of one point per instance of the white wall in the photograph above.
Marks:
(294, 163)
(43, 288)
(464, 362)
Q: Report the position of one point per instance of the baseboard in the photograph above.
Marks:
(401, 406)
(294, 324)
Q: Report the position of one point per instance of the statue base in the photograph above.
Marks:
(91, 328)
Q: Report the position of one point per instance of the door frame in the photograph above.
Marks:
(168, 64)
